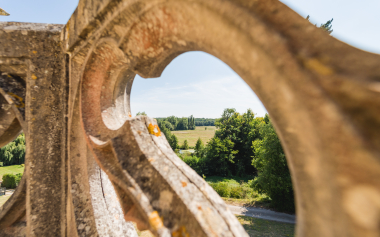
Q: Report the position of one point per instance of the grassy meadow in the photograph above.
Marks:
(192, 135)
(12, 169)
(260, 227)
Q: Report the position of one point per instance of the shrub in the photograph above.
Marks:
(199, 165)
(220, 155)
(185, 145)
(232, 189)
(10, 180)
(222, 189)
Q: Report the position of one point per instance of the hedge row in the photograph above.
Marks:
(10, 180)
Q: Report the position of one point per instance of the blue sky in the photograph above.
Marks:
(199, 84)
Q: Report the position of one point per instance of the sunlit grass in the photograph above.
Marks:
(192, 135)
(12, 169)
(255, 227)
(259, 227)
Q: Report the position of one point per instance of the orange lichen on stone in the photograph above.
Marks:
(155, 220)
(184, 184)
(34, 77)
(154, 130)
(181, 232)
(21, 103)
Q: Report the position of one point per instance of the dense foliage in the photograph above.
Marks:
(11, 180)
(273, 176)
(14, 152)
(174, 123)
(199, 165)
(229, 152)
(230, 189)
(241, 130)
(204, 122)
(220, 156)
(244, 145)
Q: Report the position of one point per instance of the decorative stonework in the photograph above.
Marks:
(91, 167)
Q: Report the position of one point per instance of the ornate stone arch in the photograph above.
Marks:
(322, 95)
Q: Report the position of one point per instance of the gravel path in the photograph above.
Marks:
(263, 214)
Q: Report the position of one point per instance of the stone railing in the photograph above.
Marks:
(91, 167)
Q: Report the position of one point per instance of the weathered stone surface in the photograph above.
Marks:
(85, 151)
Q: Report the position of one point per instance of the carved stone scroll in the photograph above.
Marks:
(91, 167)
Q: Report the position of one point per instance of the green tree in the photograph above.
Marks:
(182, 124)
(14, 152)
(173, 120)
(266, 118)
(220, 156)
(165, 124)
(199, 144)
(141, 113)
(242, 130)
(185, 145)
(273, 176)
(191, 123)
(199, 148)
(174, 142)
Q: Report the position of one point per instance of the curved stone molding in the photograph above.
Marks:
(85, 150)
(159, 192)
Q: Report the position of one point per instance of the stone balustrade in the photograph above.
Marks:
(91, 167)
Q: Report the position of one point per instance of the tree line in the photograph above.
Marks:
(174, 123)
(204, 122)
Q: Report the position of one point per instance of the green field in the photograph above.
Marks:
(12, 169)
(255, 227)
(192, 135)
(260, 227)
